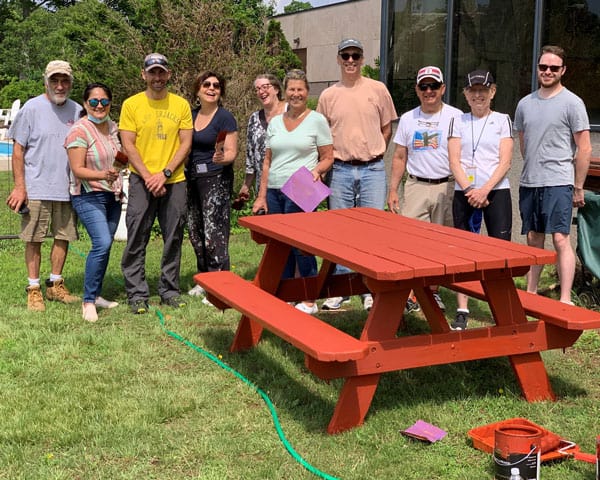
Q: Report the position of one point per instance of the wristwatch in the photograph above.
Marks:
(167, 173)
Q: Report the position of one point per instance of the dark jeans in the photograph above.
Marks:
(209, 211)
(278, 202)
(99, 212)
(142, 209)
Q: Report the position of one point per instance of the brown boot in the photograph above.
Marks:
(35, 300)
(57, 292)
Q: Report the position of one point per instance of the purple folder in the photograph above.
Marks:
(425, 431)
(304, 191)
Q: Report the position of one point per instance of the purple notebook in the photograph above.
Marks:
(304, 191)
(425, 431)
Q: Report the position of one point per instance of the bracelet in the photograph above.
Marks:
(468, 189)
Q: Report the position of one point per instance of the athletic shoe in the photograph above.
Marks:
(57, 292)
(460, 322)
(206, 301)
(103, 303)
(368, 302)
(196, 291)
(439, 301)
(334, 303)
(412, 306)
(35, 300)
(303, 307)
(175, 302)
(89, 313)
(139, 307)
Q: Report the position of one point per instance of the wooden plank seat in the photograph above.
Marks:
(314, 337)
(569, 317)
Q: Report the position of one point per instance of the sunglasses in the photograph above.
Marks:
(94, 102)
(215, 85)
(433, 86)
(553, 68)
(355, 56)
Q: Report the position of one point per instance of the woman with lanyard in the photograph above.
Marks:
(480, 148)
(93, 149)
(209, 175)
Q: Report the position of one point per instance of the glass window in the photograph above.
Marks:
(417, 39)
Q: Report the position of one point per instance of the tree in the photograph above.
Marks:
(296, 6)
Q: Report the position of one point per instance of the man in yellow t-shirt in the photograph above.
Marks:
(156, 133)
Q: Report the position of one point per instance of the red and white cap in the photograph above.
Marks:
(430, 72)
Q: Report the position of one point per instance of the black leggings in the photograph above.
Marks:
(497, 215)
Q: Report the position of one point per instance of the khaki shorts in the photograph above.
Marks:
(429, 202)
(45, 213)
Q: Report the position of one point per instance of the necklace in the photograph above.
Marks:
(474, 145)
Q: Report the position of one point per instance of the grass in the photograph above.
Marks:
(121, 399)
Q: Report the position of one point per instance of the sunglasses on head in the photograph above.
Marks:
(215, 85)
(94, 102)
(433, 86)
(553, 68)
(355, 56)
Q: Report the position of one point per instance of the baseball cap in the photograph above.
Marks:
(58, 66)
(479, 77)
(155, 60)
(430, 72)
(349, 42)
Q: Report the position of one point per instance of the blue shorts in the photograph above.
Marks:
(546, 209)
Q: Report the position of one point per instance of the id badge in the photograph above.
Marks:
(201, 168)
(471, 173)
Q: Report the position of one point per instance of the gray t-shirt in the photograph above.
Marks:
(548, 126)
(41, 127)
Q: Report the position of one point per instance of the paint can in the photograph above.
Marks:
(517, 450)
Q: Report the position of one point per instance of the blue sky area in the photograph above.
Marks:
(314, 3)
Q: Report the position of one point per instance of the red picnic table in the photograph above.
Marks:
(390, 255)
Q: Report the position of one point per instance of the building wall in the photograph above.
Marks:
(320, 29)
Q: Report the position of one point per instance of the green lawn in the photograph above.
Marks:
(122, 399)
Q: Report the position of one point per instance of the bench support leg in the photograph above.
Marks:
(532, 376)
(353, 403)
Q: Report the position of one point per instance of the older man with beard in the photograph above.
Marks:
(41, 174)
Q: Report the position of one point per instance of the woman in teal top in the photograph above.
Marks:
(297, 138)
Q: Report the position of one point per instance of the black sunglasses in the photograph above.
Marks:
(94, 102)
(542, 67)
(215, 85)
(355, 56)
(433, 86)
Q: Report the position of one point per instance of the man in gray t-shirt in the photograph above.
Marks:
(554, 135)
(41, 174)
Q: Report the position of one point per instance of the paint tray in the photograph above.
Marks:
(553, 446)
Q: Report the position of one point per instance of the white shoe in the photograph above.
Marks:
(303, 307)
(206, 301)
(334, 303)
(368, 302)
(89, 312)
(196, 291)
(103, 303)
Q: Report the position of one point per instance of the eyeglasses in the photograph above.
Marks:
(355, 56)
(553, 68)
(215, 85)
(433, 86)
(262, 88)
(94, 102)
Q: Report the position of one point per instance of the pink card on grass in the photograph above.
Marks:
(425, 431)
(304, 191)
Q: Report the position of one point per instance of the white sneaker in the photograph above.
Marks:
(334, 303)
(196, 291)
(368, 302)
(206, 301)
(103, 303)
(303, 307)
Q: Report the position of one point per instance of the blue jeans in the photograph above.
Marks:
(99, 213)
(278, 202)
(357, 186)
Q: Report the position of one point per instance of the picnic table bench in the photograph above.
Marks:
(391, 255)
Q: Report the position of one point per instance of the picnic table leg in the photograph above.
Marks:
(528, 367)
(353, 403)
(268, 278)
